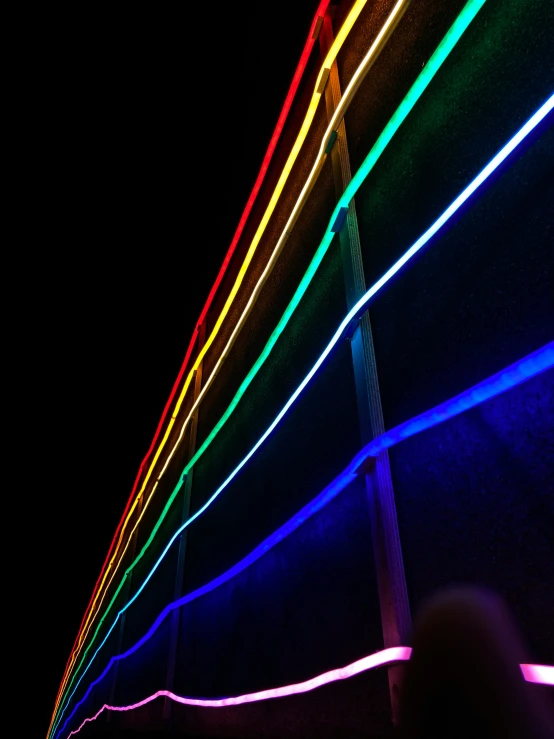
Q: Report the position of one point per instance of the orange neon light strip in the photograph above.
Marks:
(232, 248)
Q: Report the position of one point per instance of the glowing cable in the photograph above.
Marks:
(355, 312)
(541, 674)
(339, 40)
(538, 674)
(358, 77)
(521, 371)
(444, 48)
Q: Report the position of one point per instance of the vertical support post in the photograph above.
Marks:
(387, 552)
(127, 588)
(179, 575)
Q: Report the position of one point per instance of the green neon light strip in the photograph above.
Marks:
(454, 34)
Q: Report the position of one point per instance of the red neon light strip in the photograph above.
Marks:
(257, 185)
(543, 674)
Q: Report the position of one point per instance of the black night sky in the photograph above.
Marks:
(153, 126)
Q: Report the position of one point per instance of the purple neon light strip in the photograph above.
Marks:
(384, 657)
(530, 366)
(543, 674)
(524, 369)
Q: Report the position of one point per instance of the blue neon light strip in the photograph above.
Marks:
(517, 373)
(342, 330)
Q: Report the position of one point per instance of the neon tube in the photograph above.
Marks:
(428, 73)
(331, 55)
(253, 195)
(444, 48)
(357, 79)
(384, 657)
(525, 369)
(342, 330)
(392, 655)
(541, 674)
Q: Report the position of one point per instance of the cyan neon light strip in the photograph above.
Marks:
(353, 314)
(517, 373)
(467, 14)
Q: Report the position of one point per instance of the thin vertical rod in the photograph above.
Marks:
(180, 572)
(387, 552)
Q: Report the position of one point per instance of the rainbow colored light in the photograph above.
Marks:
(331, 55)
(507, 379)
(517, 373)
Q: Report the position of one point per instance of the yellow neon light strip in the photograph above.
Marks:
(319, 87)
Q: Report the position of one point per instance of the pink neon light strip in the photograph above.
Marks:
(253, 195)
(543, 674)
(384, 657)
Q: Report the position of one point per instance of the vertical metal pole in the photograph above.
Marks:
(127, 588)
(387, 552)
(179, 575)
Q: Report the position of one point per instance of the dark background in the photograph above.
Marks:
(144, 137)
(121, 240)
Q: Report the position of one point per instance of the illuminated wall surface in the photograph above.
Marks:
(456, 91)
